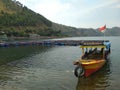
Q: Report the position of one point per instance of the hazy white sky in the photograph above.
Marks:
(78, 13)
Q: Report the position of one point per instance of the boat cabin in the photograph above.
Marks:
(95, 50)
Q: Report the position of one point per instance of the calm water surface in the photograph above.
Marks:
(51, 68)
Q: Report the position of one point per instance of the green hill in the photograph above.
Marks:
(18, 20)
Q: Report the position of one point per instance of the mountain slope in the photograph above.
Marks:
(72, 31)
(18, 20)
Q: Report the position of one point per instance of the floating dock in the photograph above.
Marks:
(52, 43)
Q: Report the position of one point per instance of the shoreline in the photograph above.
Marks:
(34, 38)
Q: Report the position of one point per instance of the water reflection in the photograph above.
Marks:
(15, 53)
(99, 80)
(37, 68)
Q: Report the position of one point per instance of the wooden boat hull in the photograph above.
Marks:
(91, 66)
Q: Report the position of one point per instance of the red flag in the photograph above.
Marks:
(102, 29)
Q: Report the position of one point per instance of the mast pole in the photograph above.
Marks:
(104, 33)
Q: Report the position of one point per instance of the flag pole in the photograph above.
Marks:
(104, 32)
(104, 38)
(103, 29)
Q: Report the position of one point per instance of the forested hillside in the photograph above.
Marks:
(19, 21)
(72, 31)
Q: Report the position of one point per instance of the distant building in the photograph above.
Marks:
(33, 36)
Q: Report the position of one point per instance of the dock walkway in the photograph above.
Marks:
(51, 43)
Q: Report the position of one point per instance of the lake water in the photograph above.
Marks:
(51, 68)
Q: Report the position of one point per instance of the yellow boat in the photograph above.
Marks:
(94, 56)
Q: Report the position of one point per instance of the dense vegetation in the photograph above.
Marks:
(18, 20)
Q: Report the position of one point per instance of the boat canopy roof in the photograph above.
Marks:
(96, 44)
(93, 46)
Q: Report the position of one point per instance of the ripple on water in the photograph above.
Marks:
(33, 78)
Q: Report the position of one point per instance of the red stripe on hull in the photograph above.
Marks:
(90, 71)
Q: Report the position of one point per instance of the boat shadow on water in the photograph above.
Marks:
(97, 81)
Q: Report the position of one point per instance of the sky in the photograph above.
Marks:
(78, 13)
